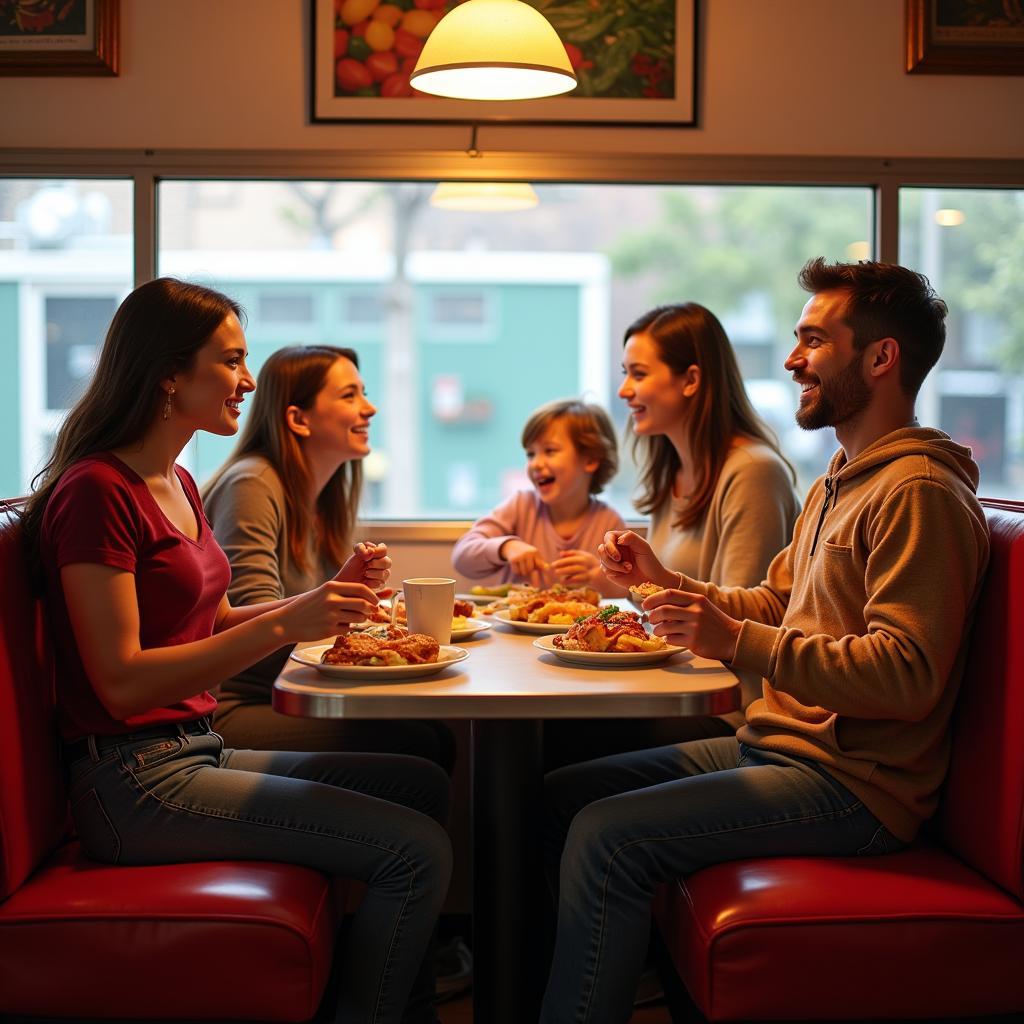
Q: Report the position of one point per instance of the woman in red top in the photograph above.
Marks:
(136, 585)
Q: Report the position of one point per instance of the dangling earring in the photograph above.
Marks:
(167, 404)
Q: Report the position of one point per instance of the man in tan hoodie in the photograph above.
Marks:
(857, 631)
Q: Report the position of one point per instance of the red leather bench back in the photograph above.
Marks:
(981, 818)
(33, 801)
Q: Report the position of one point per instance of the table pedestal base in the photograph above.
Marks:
(509, 971)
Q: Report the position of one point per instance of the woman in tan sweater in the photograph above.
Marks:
(719, 492)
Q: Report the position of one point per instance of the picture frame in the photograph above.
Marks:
(624, 87)
(59, 37)
(963, 37)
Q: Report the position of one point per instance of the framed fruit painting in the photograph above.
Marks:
(635, 61)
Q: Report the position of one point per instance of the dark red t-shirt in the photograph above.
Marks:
(103, 513)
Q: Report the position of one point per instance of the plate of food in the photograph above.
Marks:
(462, 614)
(534, 628)
(522, 595)
(611, 637)
(469, 628)
(376, 659)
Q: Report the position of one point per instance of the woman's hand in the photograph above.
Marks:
(525, 560)
(369, 564)
(326, 611)
(691, 620)
(578, 567)
(628, 560)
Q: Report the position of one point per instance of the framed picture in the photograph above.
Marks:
(636, 64)
(59, 37)
(965, 37)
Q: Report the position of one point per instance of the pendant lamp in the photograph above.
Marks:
(484, 196)
(493, 50)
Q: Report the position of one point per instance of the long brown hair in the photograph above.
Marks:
(156, 333)
(295, 376)
(687, 334)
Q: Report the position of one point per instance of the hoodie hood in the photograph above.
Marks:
(925, 441)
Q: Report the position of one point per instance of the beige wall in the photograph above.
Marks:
(821, 77)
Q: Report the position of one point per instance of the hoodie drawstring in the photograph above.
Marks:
(829, 493)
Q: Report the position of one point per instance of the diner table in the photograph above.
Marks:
(507, 688)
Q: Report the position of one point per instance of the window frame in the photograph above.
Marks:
(146, 168)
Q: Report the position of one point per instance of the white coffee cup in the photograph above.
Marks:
(429, 601)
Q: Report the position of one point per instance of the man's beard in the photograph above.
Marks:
(844, 396)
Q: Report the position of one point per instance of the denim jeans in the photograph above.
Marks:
(618, 827)
(374, 817)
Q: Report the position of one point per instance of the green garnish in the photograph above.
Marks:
(606, 613)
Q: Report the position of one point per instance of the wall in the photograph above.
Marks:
(808, 77)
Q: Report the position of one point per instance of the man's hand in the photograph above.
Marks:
(578, 568)
(525, 561)
(370, 565)
(627, 559)
(691, 620)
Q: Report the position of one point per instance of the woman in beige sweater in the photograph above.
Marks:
(283, 508)
(719, 492)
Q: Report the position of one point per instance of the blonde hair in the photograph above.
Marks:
(589, 428)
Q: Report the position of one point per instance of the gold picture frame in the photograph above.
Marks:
(59, 37)
(964, 37)
(639, 69)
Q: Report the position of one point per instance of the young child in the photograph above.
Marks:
(550, 534)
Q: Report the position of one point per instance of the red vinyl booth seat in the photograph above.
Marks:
(225, 940)
(936, 930)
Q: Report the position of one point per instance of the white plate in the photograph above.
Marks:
(310, 656)
(536, 628)
(607, 659)
(471, 628)
(476, 598)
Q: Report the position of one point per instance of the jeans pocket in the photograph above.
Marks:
(150, 754)
(883, 841)
(96, 831)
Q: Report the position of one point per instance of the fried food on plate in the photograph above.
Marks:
(559, 613)
(462, 611)
(365, 649)
(644, 590)
(610, 632)
(557, 593)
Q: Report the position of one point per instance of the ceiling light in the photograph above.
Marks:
(493, 50)
(950, 218)
(484, 196)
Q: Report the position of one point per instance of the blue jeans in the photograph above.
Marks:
(619, 826)
(179, 796)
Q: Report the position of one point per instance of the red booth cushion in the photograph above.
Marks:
(812, 937)
(180, 940)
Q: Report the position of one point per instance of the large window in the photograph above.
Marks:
(464, 323)
(65, 264)
(970, 244)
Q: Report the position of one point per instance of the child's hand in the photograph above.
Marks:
(578, 567)
(369, 564)
(627, 559)
(525, 560)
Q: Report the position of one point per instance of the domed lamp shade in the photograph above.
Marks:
(493, 50)
(484, 196)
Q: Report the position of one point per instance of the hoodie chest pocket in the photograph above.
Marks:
(839, 588)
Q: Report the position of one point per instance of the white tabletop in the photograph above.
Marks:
(506, 677)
